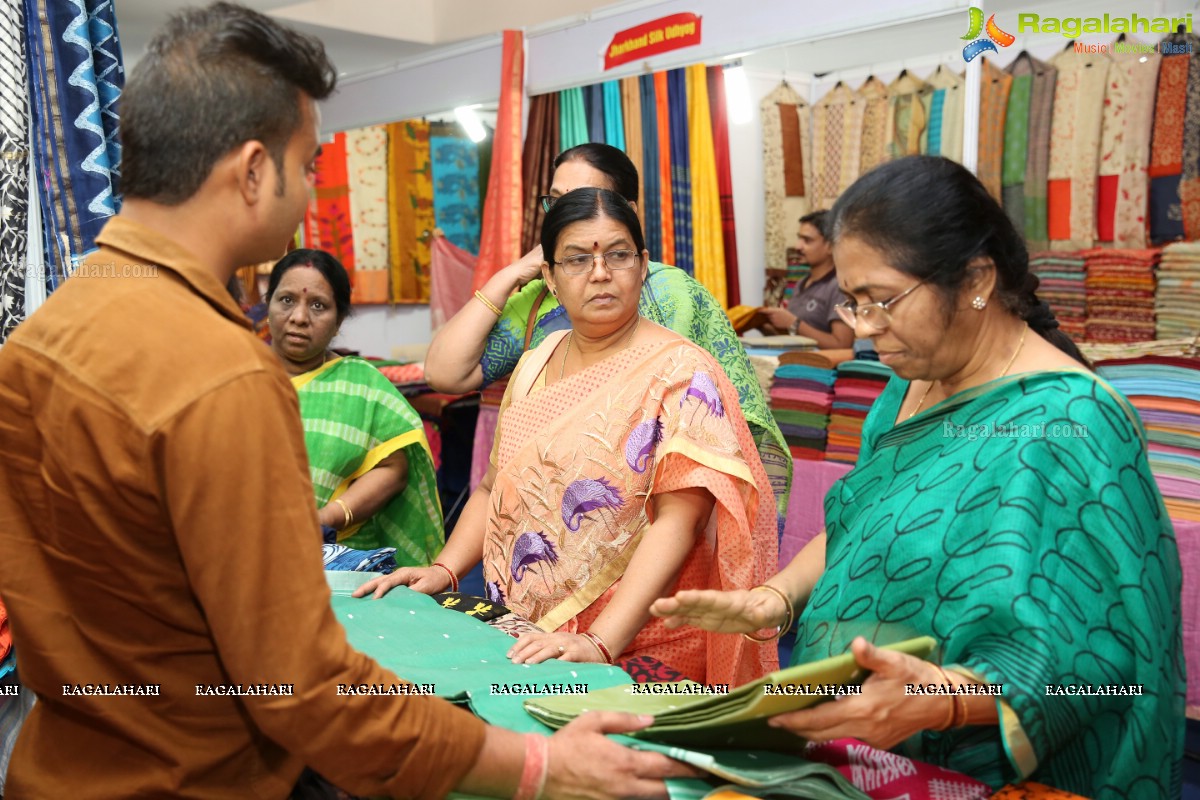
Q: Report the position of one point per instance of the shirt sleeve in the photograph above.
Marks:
(241, 506)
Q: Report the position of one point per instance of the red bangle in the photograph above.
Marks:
(537, 764)
(450, 572)
(604, 651)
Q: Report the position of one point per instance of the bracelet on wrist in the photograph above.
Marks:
(450, 572)
(788, 619)
(600, 646)
(537, 765)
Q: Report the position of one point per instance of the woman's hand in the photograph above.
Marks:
(737, 611)
(534, 648)
(426, 580)
(526, 268)
(882, 716)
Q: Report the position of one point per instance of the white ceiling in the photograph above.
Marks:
(363, 35)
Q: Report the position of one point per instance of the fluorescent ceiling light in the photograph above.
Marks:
(470, 122)
(737, 94)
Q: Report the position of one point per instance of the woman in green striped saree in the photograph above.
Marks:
(370, 463)
(1002, 503)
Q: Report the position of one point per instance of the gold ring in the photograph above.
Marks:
(562, 650)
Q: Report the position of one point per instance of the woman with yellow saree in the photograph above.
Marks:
(622, 467)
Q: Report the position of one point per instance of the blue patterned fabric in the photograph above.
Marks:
(76, 76)
(651, 200)
(614, 117)
(681, 178)
(593, 102)
(936, 104)
(340, 558)
(455, 161)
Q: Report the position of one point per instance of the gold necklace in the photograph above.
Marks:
(1007, 367)
(567, 352)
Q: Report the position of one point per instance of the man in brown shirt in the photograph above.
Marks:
(157, 523)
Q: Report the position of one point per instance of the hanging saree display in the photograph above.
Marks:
(681, 170)
(614, 120)
(836, 137)
(994, 87)
(1189, 178)
(786, 121)
(943, 103)
(455, 185)
(1075, 149)
(708, 248)
(631, 102)
(906, 115)
(574, 126)
(720, 133)
(537, 163)
(665, 171)
(329, 221)
(410, 200)
(651, 206)
(366, 170)
(873, 94)
(1128, 117)
(14, 180)
(75, 76)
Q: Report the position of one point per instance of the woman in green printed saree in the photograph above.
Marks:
(371, 467)
(1002, 503)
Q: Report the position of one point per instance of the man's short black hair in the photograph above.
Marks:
(820, 220)
(212, 79)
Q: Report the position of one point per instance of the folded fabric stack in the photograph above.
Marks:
(1062, 286)
(1166, 392)
(1178, 301)
(858, 384)
(1120, 294)
(800, 398)
(401, 373)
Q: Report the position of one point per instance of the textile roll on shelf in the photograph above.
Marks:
(801, 397)
(1120, 295)
(1177, 301)
(858, 384)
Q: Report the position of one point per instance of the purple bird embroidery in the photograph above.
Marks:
(639, 447)
(492, 591)
(586, 495)
(531, 547)
(703, 389)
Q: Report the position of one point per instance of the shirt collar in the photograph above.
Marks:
(145, 245)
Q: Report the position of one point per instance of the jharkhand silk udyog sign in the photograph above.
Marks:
(652, 38)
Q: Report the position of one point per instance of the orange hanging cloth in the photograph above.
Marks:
(503, 210)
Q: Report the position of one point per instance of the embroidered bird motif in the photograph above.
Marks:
(586, 495)
(493, 592)
(531, 547)
(703, 389)
(639, 447)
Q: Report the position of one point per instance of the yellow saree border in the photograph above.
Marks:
(587, 594)
(1017, 745)
(373, 458)
(300, 381)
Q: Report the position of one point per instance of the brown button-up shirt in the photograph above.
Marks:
(158, 527)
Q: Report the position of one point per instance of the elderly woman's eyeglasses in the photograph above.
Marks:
(546, 201)
(613, 259)
(874, 315)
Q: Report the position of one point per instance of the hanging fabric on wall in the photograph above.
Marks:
(455, 185)
(1037, 173)
(1075, 148)
(663, 116)
(720, 132)
(75, 76)
(873, 95)
(1015, 160)
(783, 210)
(906, 115)
(328, 221)
(451, 271)
(14, 179)
(1189, 182)
(537, 164)
(593, 102)
(708, 246)
(943, 135)
(631, 100)
(614, 118)
(366, 168)
(500, 239)
(1166, 149)
(410, 198)
(994, 87)
(1126, 121)
(837, 143)
(651, 204)
(681, 179)
(573, 119)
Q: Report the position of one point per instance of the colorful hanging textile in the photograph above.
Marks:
(708, 246)
(573, 120)
(328, 221)
(720, 133)
(665, 155)
(593, 103)
(943, 136)
(75, 78)
(1041, 116)
(410, 198)
(681, 170)
(1128, 117)
(451, 269)
(1189, 181)
(631, 115)
(837, 140)
(1075, 148)
(366, 168)
(994, 87)
(1015, 161)
(906, 115)
(651, 174)
(614, 118)
(781, 209)
(873, 95)
(500, 239)
(537, 164)
(455, 185)
(14, 179)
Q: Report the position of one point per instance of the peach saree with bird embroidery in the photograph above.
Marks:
(576, 465)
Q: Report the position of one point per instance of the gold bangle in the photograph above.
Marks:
(345, 510)
(490, 305)
(949, 723)
(788, 619)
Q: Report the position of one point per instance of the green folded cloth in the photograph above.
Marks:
(685, 714)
